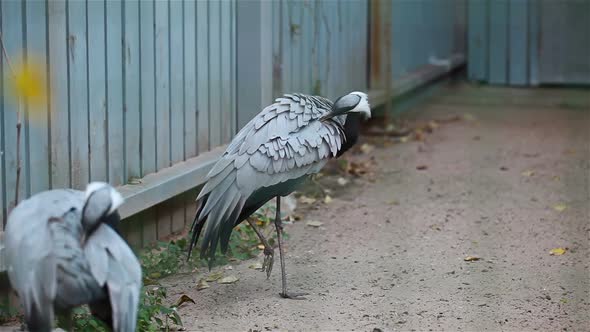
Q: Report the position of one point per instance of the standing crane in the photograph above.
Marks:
(62, 253)
(274, 152)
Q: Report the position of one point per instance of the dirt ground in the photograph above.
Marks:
(507, 183)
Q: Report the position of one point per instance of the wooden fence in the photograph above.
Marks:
(143, 92)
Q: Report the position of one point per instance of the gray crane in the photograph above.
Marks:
(62, 252)
(274, 152)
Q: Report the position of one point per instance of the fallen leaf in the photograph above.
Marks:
(403, 139)
(202, 284)
(314, 223)
(134, 181)
(555, 178)
(342, 181)
(328, 199)
(155, 275)
(367, 148)
(557, 251)
(471, 258)
(393, 202)
(307, 200)
(256, 266)
(183, 299)
(432, 125)
(528, 172)
(421, 167)
(468, 117)
(214, 276)
(560, 207)
(228, 280)
(418, 135)
(260, 246)
(229, 267)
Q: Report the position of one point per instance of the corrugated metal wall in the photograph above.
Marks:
(529, 42)
(135, 87)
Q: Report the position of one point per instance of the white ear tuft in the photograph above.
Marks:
(116, 198)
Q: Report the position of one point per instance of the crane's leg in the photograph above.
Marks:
(279, 227)
(269, 252)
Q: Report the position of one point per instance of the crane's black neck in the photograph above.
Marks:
(351, 131)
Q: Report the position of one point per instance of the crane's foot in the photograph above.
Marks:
(269, 258)
(294, 296)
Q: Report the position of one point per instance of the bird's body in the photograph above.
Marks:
(274, 153)
(57, 260)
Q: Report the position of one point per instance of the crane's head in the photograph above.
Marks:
(354, 102)
(102, 202)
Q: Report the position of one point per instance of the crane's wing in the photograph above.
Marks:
(283, 142)
(29, 250)
(114, 265)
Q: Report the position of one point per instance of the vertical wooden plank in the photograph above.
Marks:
(215, 135)
(323, 47)
(306, 34)
(190, 206)
(134, 228)
(58, 75)
(233, 67)
(131, 110)
(477, 62)
(498, 49)
(38, 149)
(178, 214)
(190, 80)
(518, 42)
(114, 48)
(162, 85)
(12, 34)
(78, 78)
(202, 75)
(364, 41)
(176, 83)
(147, 103)
(277, 50)
(287, 42)
(149, 222)
(164, 219)
(225, 67)
(297, 45)
(97, 97)
(533, 39)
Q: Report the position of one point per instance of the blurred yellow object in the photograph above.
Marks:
(29, 84)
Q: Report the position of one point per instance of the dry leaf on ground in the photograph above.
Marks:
(184, 298)
(557, 251)
(307, 200)
(314, 223)
(560, 207)
(367, 148)
(471, 258)
(228, 280)
(214, 276)
(528, 172)
(328, 199)
(256, 266)
(342, 181)
(202, 284)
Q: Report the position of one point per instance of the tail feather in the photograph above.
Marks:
(197, 225)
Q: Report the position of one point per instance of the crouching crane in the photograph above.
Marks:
(62, 252)
(274, 152)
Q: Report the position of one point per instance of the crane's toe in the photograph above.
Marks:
(294, 296)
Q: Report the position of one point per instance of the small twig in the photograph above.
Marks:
(18, 124)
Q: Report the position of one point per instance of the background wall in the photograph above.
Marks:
(139, 86)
